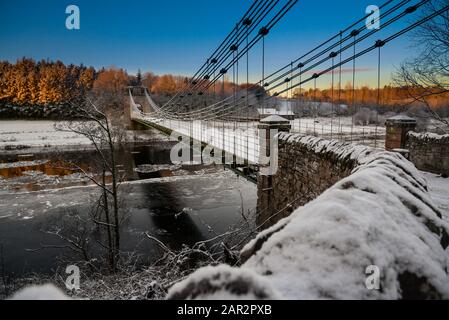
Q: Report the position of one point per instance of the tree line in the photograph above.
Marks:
(28, 82)
(387, 96)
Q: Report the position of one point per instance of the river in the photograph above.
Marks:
(179, 205)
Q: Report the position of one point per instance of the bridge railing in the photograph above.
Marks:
(239, 139)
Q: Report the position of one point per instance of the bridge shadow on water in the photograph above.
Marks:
(164, 208)
(170, 214)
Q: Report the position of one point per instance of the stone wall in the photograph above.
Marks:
(429, 152)
(307, 167)
(379, 218)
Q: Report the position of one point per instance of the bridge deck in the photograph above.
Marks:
(239, 139)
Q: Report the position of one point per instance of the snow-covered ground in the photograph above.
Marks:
(439, 191)
(26, 134)
(19, 134)
(341, 128)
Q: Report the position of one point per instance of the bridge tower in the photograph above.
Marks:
(138, 94)
(271, 125)
(397, 129)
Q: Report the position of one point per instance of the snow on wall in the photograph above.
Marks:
(44, 292)
(307, 166)
(223, 282)
(429, 152)
(341, 150)
(381, 215)
(428, 135)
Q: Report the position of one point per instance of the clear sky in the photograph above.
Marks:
(173, 36)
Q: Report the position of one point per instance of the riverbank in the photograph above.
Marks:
(42, 135)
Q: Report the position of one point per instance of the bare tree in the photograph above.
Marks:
(427, 75)
(100, 120)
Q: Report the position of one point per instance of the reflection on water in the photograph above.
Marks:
(184, 206)
(50, 168)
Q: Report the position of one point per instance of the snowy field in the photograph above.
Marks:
(341, 128)
(26, 134)
(343, 124)
(439, 191)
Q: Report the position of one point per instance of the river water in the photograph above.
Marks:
(179, 205)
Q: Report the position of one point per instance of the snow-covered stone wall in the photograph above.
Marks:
(429, 152)
(307, 166)
(379, 220)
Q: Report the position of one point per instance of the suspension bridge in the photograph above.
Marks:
(230, 122)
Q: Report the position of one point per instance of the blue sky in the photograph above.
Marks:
(173, 36)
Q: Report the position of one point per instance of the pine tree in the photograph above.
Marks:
(139, 78)
(5, 69)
